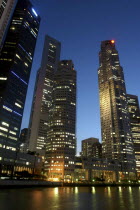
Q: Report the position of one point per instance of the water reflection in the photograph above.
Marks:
(93, 190)
(68, 198)
(109, 191)
(56, 191)
(121, 197)
(76, 190)
(120, 189)
(131, 198)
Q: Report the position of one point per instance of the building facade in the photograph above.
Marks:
(6, 11)
(134, 112)
(13, 162)
(91, 147)
(42, 99)
(117, 141)
(61, 143)
(16, 61)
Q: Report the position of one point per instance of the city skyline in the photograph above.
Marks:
(78, 94)
(85, 59)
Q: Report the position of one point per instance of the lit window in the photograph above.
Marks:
(14, 133)
(2, 134)
(6, 124)
(11, 137)
(3, 78)
(18, 105)
(4, 129)
(8, 109)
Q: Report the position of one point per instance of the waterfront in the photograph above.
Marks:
(68, 198)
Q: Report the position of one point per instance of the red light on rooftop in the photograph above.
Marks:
(112, 41)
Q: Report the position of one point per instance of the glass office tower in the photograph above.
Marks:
(61, 140)
(42, 99)
(117, 141)
(15, 62)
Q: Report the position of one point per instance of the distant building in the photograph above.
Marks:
(134, 112)
(42, 99)
(117, 140)
(24, 135)
(24, 140)
(61, 142)
(15, 62)
(91, 147)
(6, 11)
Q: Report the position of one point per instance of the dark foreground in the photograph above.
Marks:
(71, 198)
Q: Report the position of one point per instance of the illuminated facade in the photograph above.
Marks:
(61, 144)
(15, 62)
(117, 141)
(91, 147)
(6, 11)
(134, 112)
(42, 99)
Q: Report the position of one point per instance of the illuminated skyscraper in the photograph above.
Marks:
(134, 112)
(15, 66)
(42, 99)
(6, 11)
(117, 141)
(61, 142)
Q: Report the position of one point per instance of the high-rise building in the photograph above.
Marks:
(61, 142)
(134, 112)
(42, 99)
(6, 11)
(15, 62)
(91, 147)
(117, 140)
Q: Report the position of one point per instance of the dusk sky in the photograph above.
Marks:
(80, 26)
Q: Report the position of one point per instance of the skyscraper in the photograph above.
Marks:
(16, 61)
(117, 141)
(61, 142)
(134, 112)
(6, 11)
(42, 99)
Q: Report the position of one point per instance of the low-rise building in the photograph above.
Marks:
(12, 162)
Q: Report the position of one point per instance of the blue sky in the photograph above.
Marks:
(80, 26)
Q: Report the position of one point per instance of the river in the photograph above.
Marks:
(71, 198)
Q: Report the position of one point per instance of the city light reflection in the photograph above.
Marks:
(93, 190)
(120, 189)
(76, 190)
(56, 191)
(109, 191)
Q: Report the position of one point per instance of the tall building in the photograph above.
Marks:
(16, 61)
(42, 99)
(134, 112)
(117, 141)
(91, 147)
(61, 142)
(6, 11)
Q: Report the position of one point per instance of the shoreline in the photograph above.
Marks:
(9, 184)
